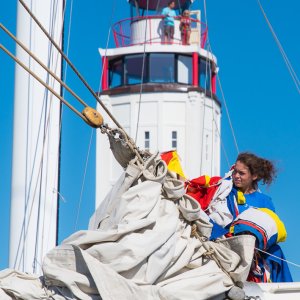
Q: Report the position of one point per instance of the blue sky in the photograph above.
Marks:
(262, 100)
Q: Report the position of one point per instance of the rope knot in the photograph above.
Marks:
(194, 230)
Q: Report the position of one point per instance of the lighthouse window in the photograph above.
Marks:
(205, 74)
(162, 67)
(116, 73)
(184, 69)
(147, 140)
(134, 69)
(174, 139)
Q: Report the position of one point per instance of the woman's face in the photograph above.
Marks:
(242, 178)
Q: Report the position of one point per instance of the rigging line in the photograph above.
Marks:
(92, 131)
(228, 116)
(43, 65)
(43, 83)
(69, 38)
(39, 205)
(53, 59)
(130, 143)
(142, 76)
(179, 6)
(83, 180)
(107, 41)
(57, 169)
(208, 70)
(287, 261)
(285, 58)
(56, 179)
(223, 147)
(24, 227)
(225, 104)
(72, 66)
(46, 126)
(205, 90)
(221, 89)
(157, 5)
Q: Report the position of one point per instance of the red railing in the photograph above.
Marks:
(149, 30)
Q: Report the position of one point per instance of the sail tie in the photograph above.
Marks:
(209, 251)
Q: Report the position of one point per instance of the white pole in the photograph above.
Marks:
(36, 140)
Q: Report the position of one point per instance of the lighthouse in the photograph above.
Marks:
(162, 93)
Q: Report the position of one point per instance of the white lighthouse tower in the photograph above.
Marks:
(164, 95)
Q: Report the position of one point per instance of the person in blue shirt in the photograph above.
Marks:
(248, 171)
(169, 14)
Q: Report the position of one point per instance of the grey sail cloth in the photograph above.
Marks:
(139, 245)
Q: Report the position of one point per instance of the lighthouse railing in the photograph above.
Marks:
(142, 30)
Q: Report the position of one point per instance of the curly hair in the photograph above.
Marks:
(264, 169)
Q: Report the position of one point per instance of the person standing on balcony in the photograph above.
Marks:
(169, 14)
(185, 27)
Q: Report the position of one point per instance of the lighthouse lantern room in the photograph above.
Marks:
(162, 93)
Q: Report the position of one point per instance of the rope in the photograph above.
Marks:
(107, 41)
(222, 93)
(43, 65)
(284, 56)
(228, 115)
(130, 141)
(91, 136)
(39, 175)
(142, 75)
(213, 115)
(70, 64)
(43, 83)
(54, 64)
(64, 77)
(179, 6)
(287, 261)
(209, 251)
(83, 181)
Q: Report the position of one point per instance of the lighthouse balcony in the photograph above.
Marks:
(141, 30)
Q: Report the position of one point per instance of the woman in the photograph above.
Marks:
(238, 207)
(185, 27)
(248, 171)
(256, 216)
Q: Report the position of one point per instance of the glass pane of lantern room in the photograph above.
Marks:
(205, 74)
(115, 73)
(162, 67)
(134, 70)
(184, 69)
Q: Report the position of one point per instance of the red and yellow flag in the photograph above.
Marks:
(173, 162)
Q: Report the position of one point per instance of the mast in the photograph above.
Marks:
(33, 221)
(174, 106)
